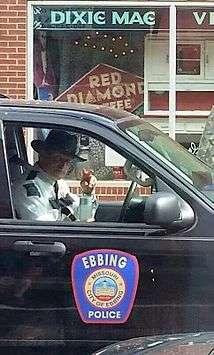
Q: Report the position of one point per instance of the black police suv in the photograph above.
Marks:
(142, 265)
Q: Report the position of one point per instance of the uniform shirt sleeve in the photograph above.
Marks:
(30, 205)
(63, 192)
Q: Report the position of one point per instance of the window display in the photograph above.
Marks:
(195, 48)
(94, 55)
(119, 56)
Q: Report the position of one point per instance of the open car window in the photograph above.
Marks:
(174, 155)
(118, 182)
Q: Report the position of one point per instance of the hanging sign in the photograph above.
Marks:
(104, 284)
(63, 17)
(106, 85)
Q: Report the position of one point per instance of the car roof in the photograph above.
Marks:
(110, 113)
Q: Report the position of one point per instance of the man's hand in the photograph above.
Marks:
(88, 181)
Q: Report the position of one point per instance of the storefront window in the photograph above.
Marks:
(194, 69)
(156, 64)
(102, 55)
(194, 59)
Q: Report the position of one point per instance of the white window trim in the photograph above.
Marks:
(30, 50)
(172, 71)
(162, 113)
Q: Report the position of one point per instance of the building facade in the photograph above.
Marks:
(13, 48)
(153, 58)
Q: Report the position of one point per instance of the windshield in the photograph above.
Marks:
(178, 158)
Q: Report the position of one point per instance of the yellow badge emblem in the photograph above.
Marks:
(105, 288)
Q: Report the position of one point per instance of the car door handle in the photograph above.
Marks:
(56, 248)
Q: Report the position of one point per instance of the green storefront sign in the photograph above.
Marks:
(65, 18)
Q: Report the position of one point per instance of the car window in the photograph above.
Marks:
(178, 158)
(114, 177)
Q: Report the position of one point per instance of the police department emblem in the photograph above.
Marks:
(104, 284)
(105, 291)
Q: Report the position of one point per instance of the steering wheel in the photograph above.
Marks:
(127, 201)
(135, 175)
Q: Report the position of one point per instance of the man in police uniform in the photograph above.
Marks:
(42, 194)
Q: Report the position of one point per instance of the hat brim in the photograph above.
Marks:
(41, 147)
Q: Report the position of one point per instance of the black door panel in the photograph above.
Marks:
(37, 303)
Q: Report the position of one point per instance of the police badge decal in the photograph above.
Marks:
(104, 284)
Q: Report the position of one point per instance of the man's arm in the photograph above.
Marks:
(69, 200)
(31, 205)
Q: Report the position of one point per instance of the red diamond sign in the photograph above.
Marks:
(106, 85)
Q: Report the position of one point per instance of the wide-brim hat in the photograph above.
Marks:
(61, 142)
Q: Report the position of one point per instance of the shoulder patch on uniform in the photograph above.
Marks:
(32, 190)
(32, 174)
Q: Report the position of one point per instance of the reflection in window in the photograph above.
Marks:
(188, 59)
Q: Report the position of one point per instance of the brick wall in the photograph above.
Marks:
(13, 48)
(110, 193)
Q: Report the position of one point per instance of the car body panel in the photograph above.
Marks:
(176, 267)
(179, 344)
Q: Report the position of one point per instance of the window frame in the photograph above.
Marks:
(51, 125)
(6, 173)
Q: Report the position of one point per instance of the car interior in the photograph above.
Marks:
(136, 207)
(129, 210)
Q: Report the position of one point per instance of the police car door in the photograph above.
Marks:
(74, 288)
(43, 270)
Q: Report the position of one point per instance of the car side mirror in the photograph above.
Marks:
(168, 210)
